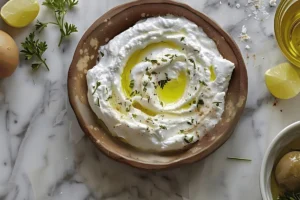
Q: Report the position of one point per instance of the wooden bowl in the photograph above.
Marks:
(116, 21)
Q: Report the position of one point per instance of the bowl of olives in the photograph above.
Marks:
(280, 171)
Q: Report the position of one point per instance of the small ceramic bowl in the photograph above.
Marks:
(118, 20)
(285, 136)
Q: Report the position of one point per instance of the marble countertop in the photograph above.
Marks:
(45, 156)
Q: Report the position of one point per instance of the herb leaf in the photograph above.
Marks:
(131, 85)
(240, 159)
(188, 140)
(34, 48)
(162, 83)
(162, 127)
(98, 83)
(217, 103)
(181, 39)
(59, 8)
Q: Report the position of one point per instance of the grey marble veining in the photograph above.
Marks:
(45, 156)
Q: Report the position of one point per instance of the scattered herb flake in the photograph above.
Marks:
(188, 140)
(202, 83)
(102, 54)
(217, 103)
(131, 85)
(98, 83)
(162, 127)
(134, 115)
(240, 159)
(181, 39)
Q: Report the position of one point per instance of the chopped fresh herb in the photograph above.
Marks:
(120, 103)
(109, 97)
(217, 103)
(153, 72)
(181, 131)
(154, 61)
(168, 55)
(192, 120)
(145, 83)
(192, 61)
(240, 159)
(188, 140)
(200, 102)
(197, 50)
(164, 60)
(189, 123)
(148, 99)
(182, 49)
(102, 54)
(98, 102)
(128, 109)
(134, 115)
(162, 127)
(146, 59)
(162, 83)
(202, 83)
(189, 72)
(98, 83)
(161, 103)
(131, 85)
(181, 39)
(194, 101)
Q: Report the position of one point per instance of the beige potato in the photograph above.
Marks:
(9, 55)
(287, 171)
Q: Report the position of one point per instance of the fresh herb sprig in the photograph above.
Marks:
(289, 196)
(60, 9)
(34, 49)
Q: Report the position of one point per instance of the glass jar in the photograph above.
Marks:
(287, 29)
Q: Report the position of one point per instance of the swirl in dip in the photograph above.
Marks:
(160, 85)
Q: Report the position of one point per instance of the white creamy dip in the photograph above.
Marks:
(160, 85)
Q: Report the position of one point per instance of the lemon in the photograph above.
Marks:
(283, 81)
(20, 13)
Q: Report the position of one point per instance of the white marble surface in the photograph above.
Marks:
(44, 156)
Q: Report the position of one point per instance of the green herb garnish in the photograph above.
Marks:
(60, 9)
(188, 140)
(200, 102)
(202, 83)
(33, 48)
(181, 39)
(164, 60)
(239, 159)
(134, 115)
(98, 102)
(98, 83)
(162, 127)
(131, 85)
(217, 103)
(181, 131)
(192, 61)
(162, 83)
(102, 54)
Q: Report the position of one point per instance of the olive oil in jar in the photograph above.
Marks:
(290, 29)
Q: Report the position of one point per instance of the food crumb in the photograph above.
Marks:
(280, 110)
(237, 5)
(244, 36)
(272, 3)
(247, 47)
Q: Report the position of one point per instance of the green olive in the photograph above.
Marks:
(287, 171)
